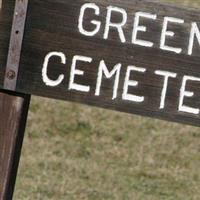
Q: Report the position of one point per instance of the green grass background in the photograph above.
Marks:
(76, 152)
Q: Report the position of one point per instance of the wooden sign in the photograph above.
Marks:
(138, 57)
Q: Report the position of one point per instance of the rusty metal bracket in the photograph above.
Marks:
(15, 46)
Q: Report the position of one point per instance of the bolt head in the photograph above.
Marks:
(11, 74)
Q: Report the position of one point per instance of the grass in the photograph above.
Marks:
(77, 152)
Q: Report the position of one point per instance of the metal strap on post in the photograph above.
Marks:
(15, 46)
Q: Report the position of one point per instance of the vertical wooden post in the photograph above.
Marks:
(13, 116)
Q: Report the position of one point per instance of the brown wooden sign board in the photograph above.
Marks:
(138, 57)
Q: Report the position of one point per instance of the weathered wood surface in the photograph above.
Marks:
(53, 26)
(13, 114)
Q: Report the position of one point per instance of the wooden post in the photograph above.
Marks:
(13, 116)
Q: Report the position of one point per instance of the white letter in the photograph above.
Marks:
(167, 75)
(80, 22)
(137, 28)
(103, 69)
(74, 71)
(184, 93)
(194, 31)
(116, 25)
(128, 83)
(165, 33)
(45, 78)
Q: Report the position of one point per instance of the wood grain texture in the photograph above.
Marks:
(53, 26)
(13, 114)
